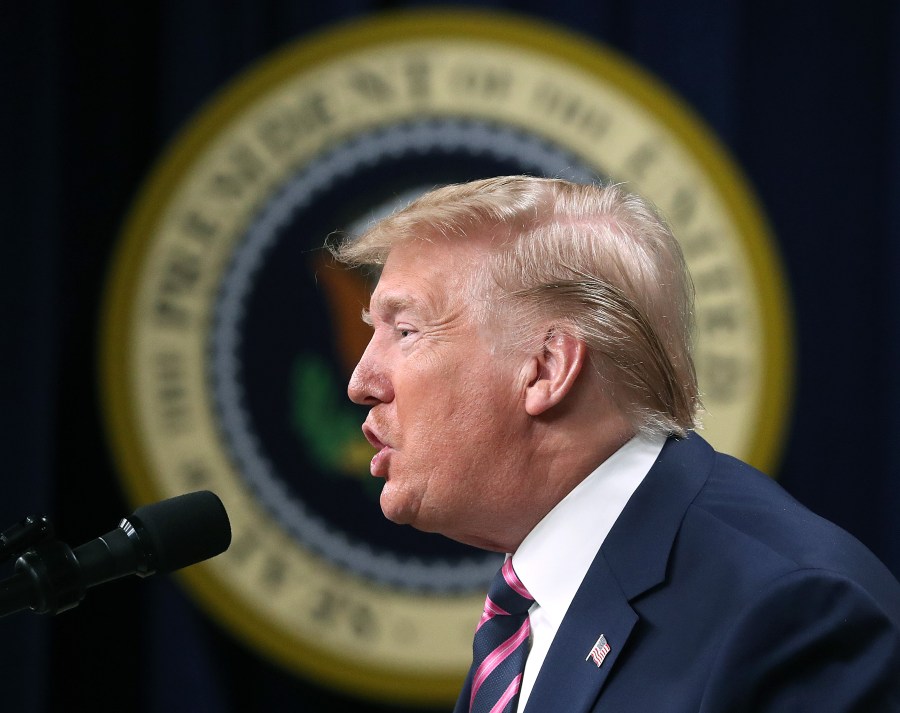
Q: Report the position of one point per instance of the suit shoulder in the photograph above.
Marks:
(759, 527)
(811, 640)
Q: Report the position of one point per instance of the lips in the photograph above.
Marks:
(372, 436)
(378, 467)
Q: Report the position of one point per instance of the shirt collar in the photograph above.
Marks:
(556, 555)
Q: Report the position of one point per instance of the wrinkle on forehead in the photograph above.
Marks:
(426, 282)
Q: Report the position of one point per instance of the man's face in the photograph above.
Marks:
(446, 416)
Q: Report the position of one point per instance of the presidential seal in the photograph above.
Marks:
(229, 336)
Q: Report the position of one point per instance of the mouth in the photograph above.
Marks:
(372, 436)
(378, 467)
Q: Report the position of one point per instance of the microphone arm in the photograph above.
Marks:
(47, 581)
(18, 538)
(51, 577)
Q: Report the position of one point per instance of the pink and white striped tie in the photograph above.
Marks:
(501, 645)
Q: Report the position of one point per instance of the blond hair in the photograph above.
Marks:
(591, 260)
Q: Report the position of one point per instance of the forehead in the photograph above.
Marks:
(425, 276)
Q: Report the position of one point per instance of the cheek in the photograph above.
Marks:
(457, 409)
(481, 429)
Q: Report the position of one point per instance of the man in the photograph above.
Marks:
(532, 391)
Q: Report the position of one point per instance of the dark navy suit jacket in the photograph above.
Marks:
(718, 592)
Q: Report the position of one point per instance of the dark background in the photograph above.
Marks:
(806, 96)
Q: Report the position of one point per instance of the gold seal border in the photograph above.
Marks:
(354, 36)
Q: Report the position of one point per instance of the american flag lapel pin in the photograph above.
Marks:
(599, 651)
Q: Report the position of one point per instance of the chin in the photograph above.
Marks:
(395, 511)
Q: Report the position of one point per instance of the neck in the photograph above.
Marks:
(560, 457)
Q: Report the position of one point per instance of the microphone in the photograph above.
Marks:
(51, 577)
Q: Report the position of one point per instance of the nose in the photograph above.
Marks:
(370, 384)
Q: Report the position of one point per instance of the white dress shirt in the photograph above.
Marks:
(556, 555)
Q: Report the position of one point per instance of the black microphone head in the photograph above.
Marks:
(183, 530)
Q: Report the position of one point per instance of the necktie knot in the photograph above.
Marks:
(507, 594)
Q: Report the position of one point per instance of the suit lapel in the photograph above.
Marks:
(632, 560)
(569, 679)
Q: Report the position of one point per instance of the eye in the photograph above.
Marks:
(404, 330)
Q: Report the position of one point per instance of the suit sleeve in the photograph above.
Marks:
(811, 641)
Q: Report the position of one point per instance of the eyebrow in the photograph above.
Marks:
(391, 304)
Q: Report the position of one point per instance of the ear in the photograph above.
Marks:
(554, 371)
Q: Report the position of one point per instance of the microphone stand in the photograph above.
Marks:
(47, 578)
